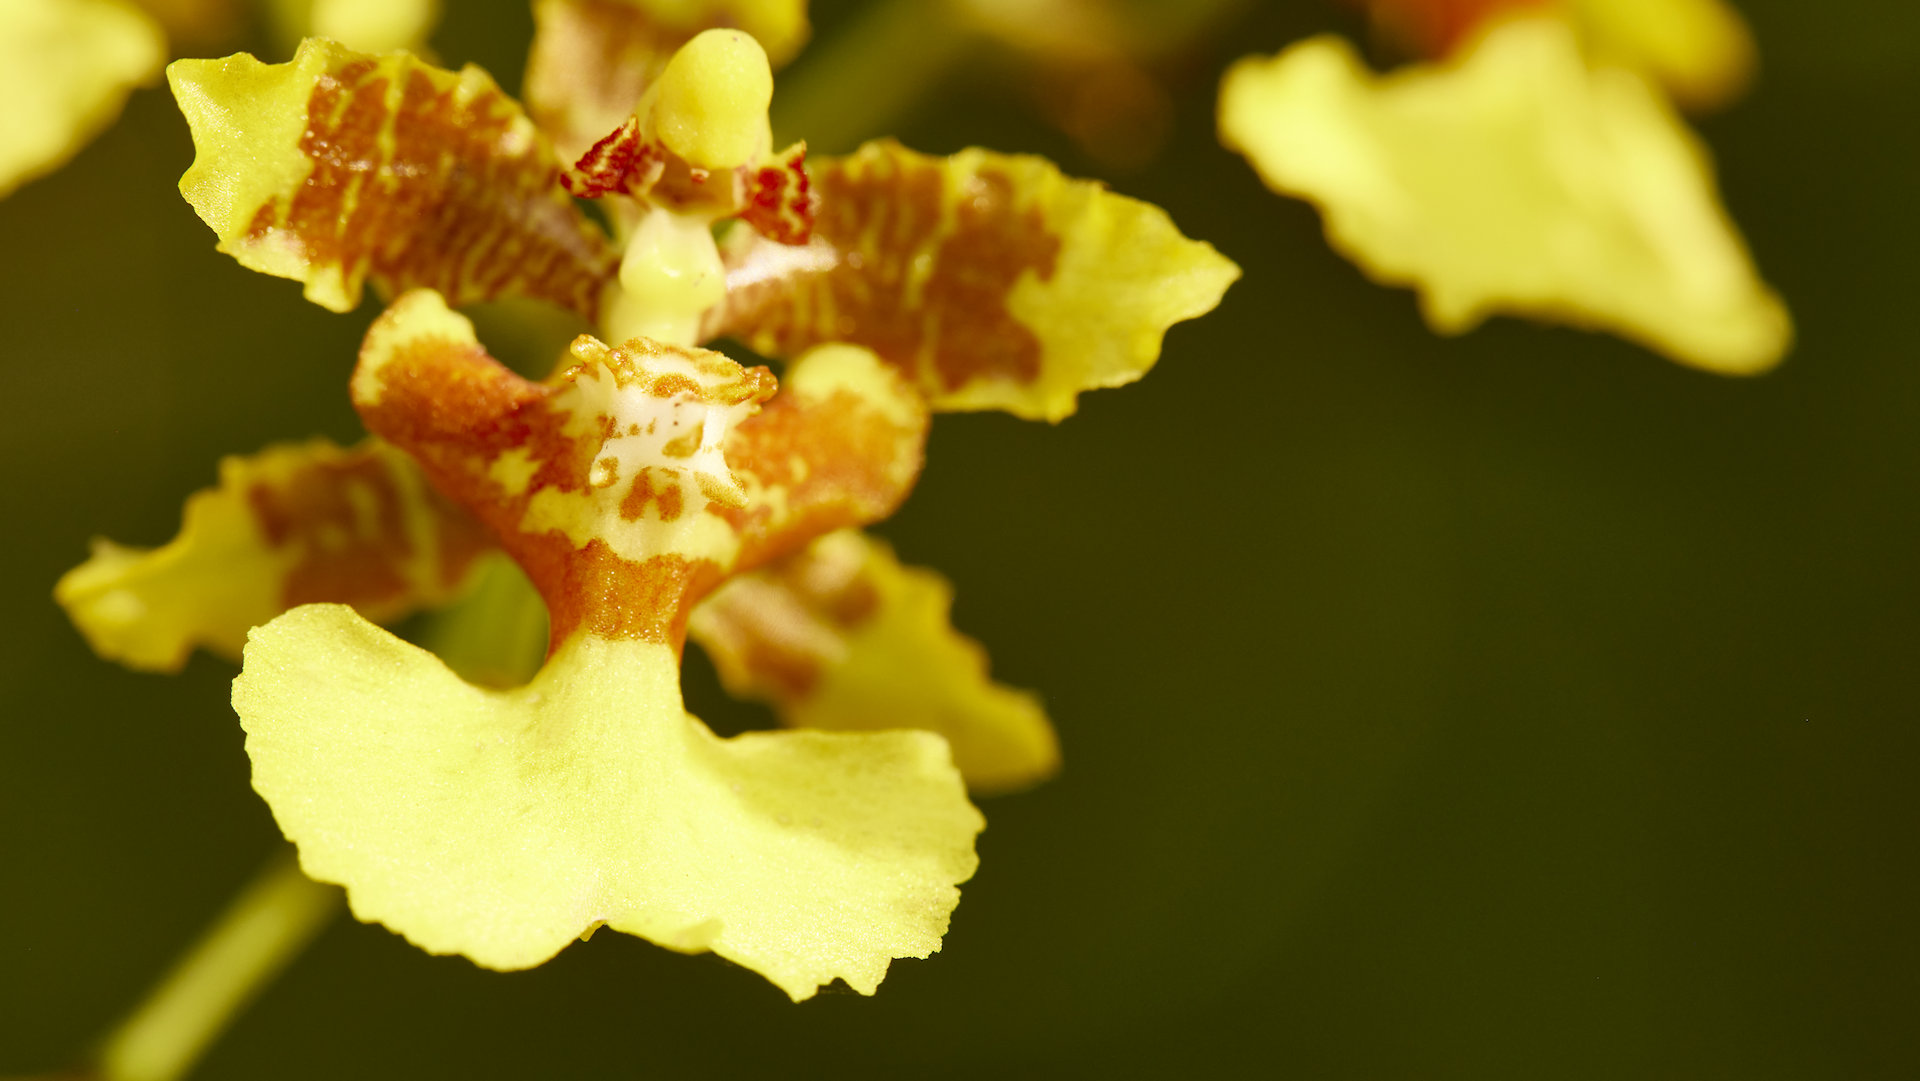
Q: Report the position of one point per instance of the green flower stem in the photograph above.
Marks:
(858, 83)
(268, 925)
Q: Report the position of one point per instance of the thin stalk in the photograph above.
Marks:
(266, 927)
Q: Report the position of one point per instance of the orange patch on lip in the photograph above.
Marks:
(808, 463)
(434, 191)
(838, 461)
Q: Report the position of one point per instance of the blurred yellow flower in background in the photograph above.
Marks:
(1537, 170)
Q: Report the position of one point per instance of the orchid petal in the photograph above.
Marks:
(338, 168)
(291, 525)
(1514, 179)
(841, 636)
(502, 825)
(991, 280)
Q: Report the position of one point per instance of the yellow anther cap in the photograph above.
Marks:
(710, 105)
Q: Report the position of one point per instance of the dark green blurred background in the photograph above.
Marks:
(1514, 706)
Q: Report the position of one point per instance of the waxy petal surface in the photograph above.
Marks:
(65, 68)
(503, 825)
(336, 169)
(593, 59)
(632, 483)
(841, 636)
(990, 280)
(291, 525)
(1514, 179)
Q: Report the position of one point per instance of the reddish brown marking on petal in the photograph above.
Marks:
(878, 215)
(624, 162)
(837, 589)
(346, 519)
(762, 641)
(666, 498)
(856, 602)
(839, 460)
(780, 204)
(454, 197)
(791, 672)
(1437, 27)
(593, 589)
(776, 633)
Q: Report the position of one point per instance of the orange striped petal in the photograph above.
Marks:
(336, 169)
(291, 525)
(841, 636)
(990, 280)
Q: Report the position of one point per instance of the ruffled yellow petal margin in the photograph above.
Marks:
(504, 824)
(842, 637)
(593, 59)
(990, 280)
(337, 168)
(291, 525)
(1514, 179)
(65, 68)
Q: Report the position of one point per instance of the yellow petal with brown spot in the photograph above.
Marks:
(842, 637)
(65, 68)
(290, 525)
(503, 825)
(990, 280)
(1513, 179)
(593, 59)
(337, 168)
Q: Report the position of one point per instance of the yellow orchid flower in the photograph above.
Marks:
(504, 824)
(1538, 170)
(628, 487)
